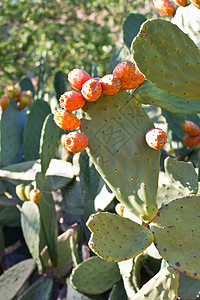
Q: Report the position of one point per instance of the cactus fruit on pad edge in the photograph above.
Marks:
(168, 58)
(116, 127)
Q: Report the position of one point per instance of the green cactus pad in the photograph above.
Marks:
(148, 93)
(14, 278)
(50, 137)
(163, 286)
(116, 127)
(60, 83)
(176, 233)
(118, 292)
(168, 58)
(116, 238)
(189, 288)
(101, 275)
(126, 268)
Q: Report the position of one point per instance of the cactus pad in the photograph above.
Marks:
(115, 238)
(168, 58)
(176, 233)
(101, 275)
(164, 285)
(116, 127)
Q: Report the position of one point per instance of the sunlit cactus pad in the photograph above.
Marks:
(176, 230)
(115, 238)
(168, 58)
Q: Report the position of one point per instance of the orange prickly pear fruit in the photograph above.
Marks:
(76, 141)
(181, 2)
(125, 71)
(23, 100)
(9, 91)
(4, 102)
(165, 7)
(196, 3)
(119, 208)
(110, 84)
(30, 98)
(35, 196)
(138, 78)
(190, 128)
(72, 100)
(20, 191)
(191, 141)
(91, 90)
(77, 78)
(66, 120)
(156, 138)
(16, 92)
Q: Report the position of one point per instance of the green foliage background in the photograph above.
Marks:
(72, 33)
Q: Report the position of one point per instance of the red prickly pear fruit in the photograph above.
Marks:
(156, 138)
(66, 120)
(23, 100)
(138, 79)
(20, 191)
(77, 78)
(190, 128)
(62, 140)
(72, 100)
(35, 196)
(125, 71)
(191, 141)
(181, 2)
(119, 208)
(76, 141)
(91, 90)
(9, 91)
(165, 7)
(196, 3)
(4, 102)
(110, 84)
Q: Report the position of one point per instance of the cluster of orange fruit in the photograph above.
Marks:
(125, 76)
(23, 98)
(168, 9)
(192, 137)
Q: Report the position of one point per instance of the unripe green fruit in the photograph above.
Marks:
(20, 192)
(27, 190)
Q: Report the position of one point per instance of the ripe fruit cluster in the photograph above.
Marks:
(28, 193)
(125, 75)
(192, 137)
(23, 98)
(168, 8)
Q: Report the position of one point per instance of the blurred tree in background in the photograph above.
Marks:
(72, 33)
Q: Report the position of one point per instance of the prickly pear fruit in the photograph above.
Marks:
(191, 141)
(119, 208)
(110, 84)
(20, 191)
(138, 78)
(35, 196)
(77, 78)
(4, 102)
(91, 90)
(165, 7)
(16, 92)
(126, 72)
(190, 128)
(66, 120)
(196, 3)
(156, 138)
(181, 2)
(30, 98)
(23, 100)
(71, 100)
(76, 141)
(9, 91)
(27, 190)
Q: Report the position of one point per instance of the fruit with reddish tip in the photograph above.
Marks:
(72, 100)
(191, 141)
(76, 141)
(35, 196)
(156, 138)
(110, 84)
(66, 120)
(4, 102)
(125, 71)
(181, 2)
(91, 90)
(77, 78)
(190, 128)
(165, 7)
(119, 208)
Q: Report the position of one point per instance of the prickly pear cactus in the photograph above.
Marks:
(115, 238)
(176, 233)
(116, 127)
(168, 58)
